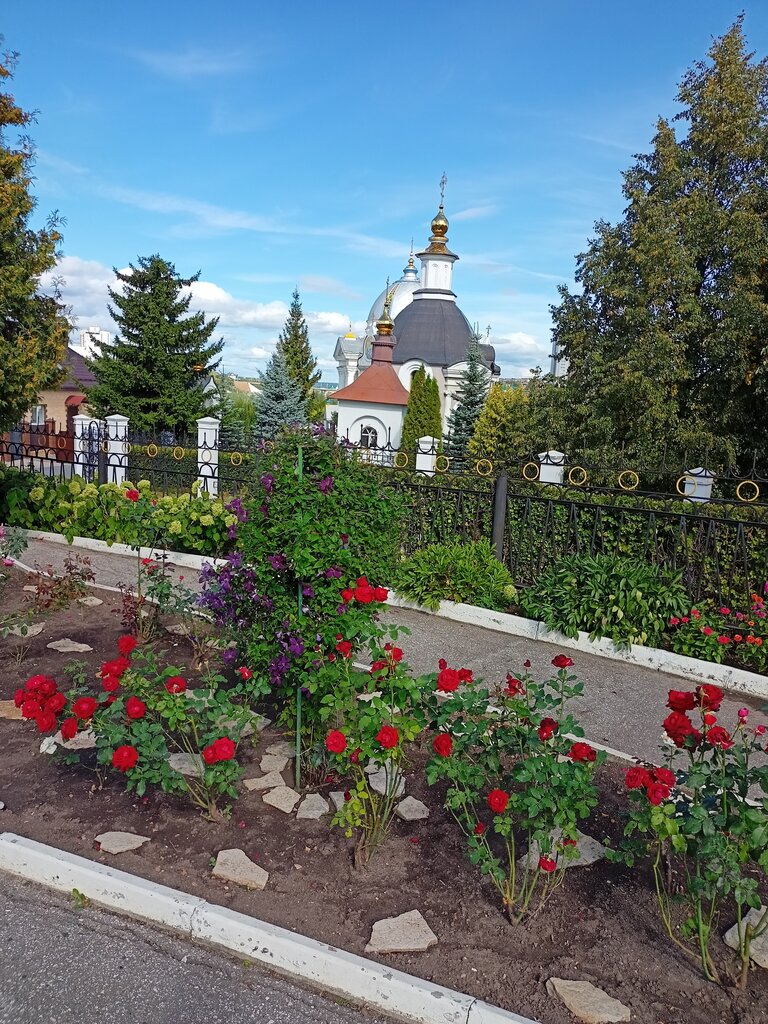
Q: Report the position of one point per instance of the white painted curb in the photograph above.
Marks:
(306, 960)
(185, 559)
(734, 679)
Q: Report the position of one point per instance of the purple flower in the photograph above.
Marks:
(326, 485)
(267, 482)
(295, 646)
(334, 573)
(344, 540)
(341, 609)
(308, 591)
(229, 656)
(264, 509)
(277, 562)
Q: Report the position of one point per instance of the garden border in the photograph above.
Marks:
(733, 679)
(306, 960)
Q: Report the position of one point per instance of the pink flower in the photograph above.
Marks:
(707, 630)
(723, 640)
(725, 611)
(743, 714)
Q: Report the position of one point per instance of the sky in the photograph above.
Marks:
(301, 144)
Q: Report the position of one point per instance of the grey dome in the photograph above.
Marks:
(436, 332)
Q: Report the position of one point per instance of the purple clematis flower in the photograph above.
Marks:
(326, 485)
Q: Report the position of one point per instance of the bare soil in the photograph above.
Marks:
(601, 927)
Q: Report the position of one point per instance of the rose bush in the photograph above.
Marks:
(510, 750)
(702, 819)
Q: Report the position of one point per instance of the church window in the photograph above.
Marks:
(368, 437)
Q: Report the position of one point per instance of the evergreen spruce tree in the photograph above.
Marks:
(281, 403)
(33, 327)
(501, 429)
(293, 345)
(667, 337)
(155, 370)
(470, 399)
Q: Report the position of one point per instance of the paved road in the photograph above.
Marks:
(61, 965)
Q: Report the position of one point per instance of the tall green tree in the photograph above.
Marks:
(281, 403)
(293, 345)
(501, 431)
(33, 325)
(470, 398)
(667, 339)
(155, 370)
(422, 414)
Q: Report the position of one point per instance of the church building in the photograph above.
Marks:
(415, 322)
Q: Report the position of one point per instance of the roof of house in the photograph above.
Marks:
(378, 384)
(76, 373)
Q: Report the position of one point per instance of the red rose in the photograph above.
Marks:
(710, 719)
(479, 829)
(56, 703)
(465, 675)
(69, 728)
(378, 666)
(175, 684)
(442, 745)
(132, 495)
(657, 792)
(31, 709)
(562, 661)
(664, 776)
(336, 741)
(46, 720)
(347, 595)
(19, 697)
(678, 726)
(388, 736)
(515, 687)
(448, 680)
(354, 757)
(719, 737)
(547, 729)
(344, 647)
(394, 652)
(110, 684)
(681, 700)
(365, 594)
(35, 682)
(125, 757)
(347, 796)
(84, 707)
(498, 800)
(116, 667)
(46, 689)
(126, 645)
(362, 581)
(135, 708)
(710, 697)
(380, 593)
(225, 748)
(547, 864)
(637, 778)
(245, 673)
(582, 752)
(209, 755)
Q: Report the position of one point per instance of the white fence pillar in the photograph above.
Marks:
(208, 454)
(551, 467)
(117, 449)
(87, 431)
(426, 453)
(697, 484)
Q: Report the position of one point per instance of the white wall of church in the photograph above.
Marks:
(386, 420)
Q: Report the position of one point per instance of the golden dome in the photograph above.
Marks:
(439, 226)
(384, 324)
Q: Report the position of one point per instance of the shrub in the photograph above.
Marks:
(703, 821)
(604, 595)
(512, 751)
(466, 573)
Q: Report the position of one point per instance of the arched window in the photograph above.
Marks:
(368, 437)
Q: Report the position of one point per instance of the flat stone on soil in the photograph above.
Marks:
(282, 748)
(758, 948)
(186, 764)
(260, 723)
(408, 933)
(412, 809)
(235, 866)
(67, 646)
(83, 740)
(283, 798)
(313, 806)
(177, 629)
(588, 849)
(269, 781)
(238, 730)
(337, 799)
(273, 763)
(27, 631)
(120, 842)
(588, 1003)
(90, 601)
(9, 710)
(378, 781)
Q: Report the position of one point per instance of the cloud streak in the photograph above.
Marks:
(194, 62)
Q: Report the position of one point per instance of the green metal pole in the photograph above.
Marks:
(299, 596)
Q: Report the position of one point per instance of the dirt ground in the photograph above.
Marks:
(602, 927)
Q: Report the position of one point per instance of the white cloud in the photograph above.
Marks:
(328, 285)
(194, 62)
(475, 212)
(259, 353)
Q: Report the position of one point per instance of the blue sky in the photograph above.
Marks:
(301, 143)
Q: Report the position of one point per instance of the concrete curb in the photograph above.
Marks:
(296, 956)
(185, 559)
(733, 679)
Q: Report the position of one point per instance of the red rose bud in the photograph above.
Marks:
(547, 865)
(479, 829)
(354, 757)
(547, 729)
(442, 745)
(562, 661)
